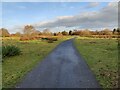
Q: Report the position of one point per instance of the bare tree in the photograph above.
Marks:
(4, 32)
(46, 32)
(29, 29)
(106, 32)
(64, 33)
(18, 34)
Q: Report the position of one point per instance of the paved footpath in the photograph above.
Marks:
(62, 68)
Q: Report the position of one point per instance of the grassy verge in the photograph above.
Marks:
(102, 57)
(14, 68)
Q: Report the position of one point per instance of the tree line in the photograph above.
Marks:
(30, 31)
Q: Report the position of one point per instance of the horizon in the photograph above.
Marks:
(59, 16)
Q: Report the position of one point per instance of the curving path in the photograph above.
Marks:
(62, 68)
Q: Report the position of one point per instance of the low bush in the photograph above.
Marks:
(103, 36)
(48, 38)
(53, 39)
(24, 38)
(44, 38)
(10, 50)
(50, 41)
(32, 38)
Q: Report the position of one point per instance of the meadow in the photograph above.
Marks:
(15, 67)
(101, 55)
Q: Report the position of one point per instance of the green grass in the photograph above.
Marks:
(14, 68)
(102, 57)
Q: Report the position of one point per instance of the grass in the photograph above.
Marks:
(102, 57)
(14, 68)
(100, 54)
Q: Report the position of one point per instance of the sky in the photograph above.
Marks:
(58, 16)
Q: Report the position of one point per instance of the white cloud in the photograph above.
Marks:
(16, 29)
(92, 4)
(106, 17)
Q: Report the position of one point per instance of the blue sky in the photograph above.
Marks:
(16, 14)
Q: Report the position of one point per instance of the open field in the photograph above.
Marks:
(31, 31)
(101, 56)
(14, 68)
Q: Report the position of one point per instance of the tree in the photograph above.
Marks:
(106, 32)
(59, 34)
(86, 32)
(36, 33)
(18, 34)
(55, 34)
(46, 32)
(75, 32)
(28, 30)
(64, 33)
(118, 30)
(114, 30)
(70, 32)
(4, 32)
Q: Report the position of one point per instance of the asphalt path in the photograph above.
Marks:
(64, 67)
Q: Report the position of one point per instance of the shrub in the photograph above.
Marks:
(32, 38)
(44, 38)
(53, 39)
(50, 41)
(24, 38)
(10, 50)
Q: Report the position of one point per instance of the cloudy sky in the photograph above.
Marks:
(59, 16)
